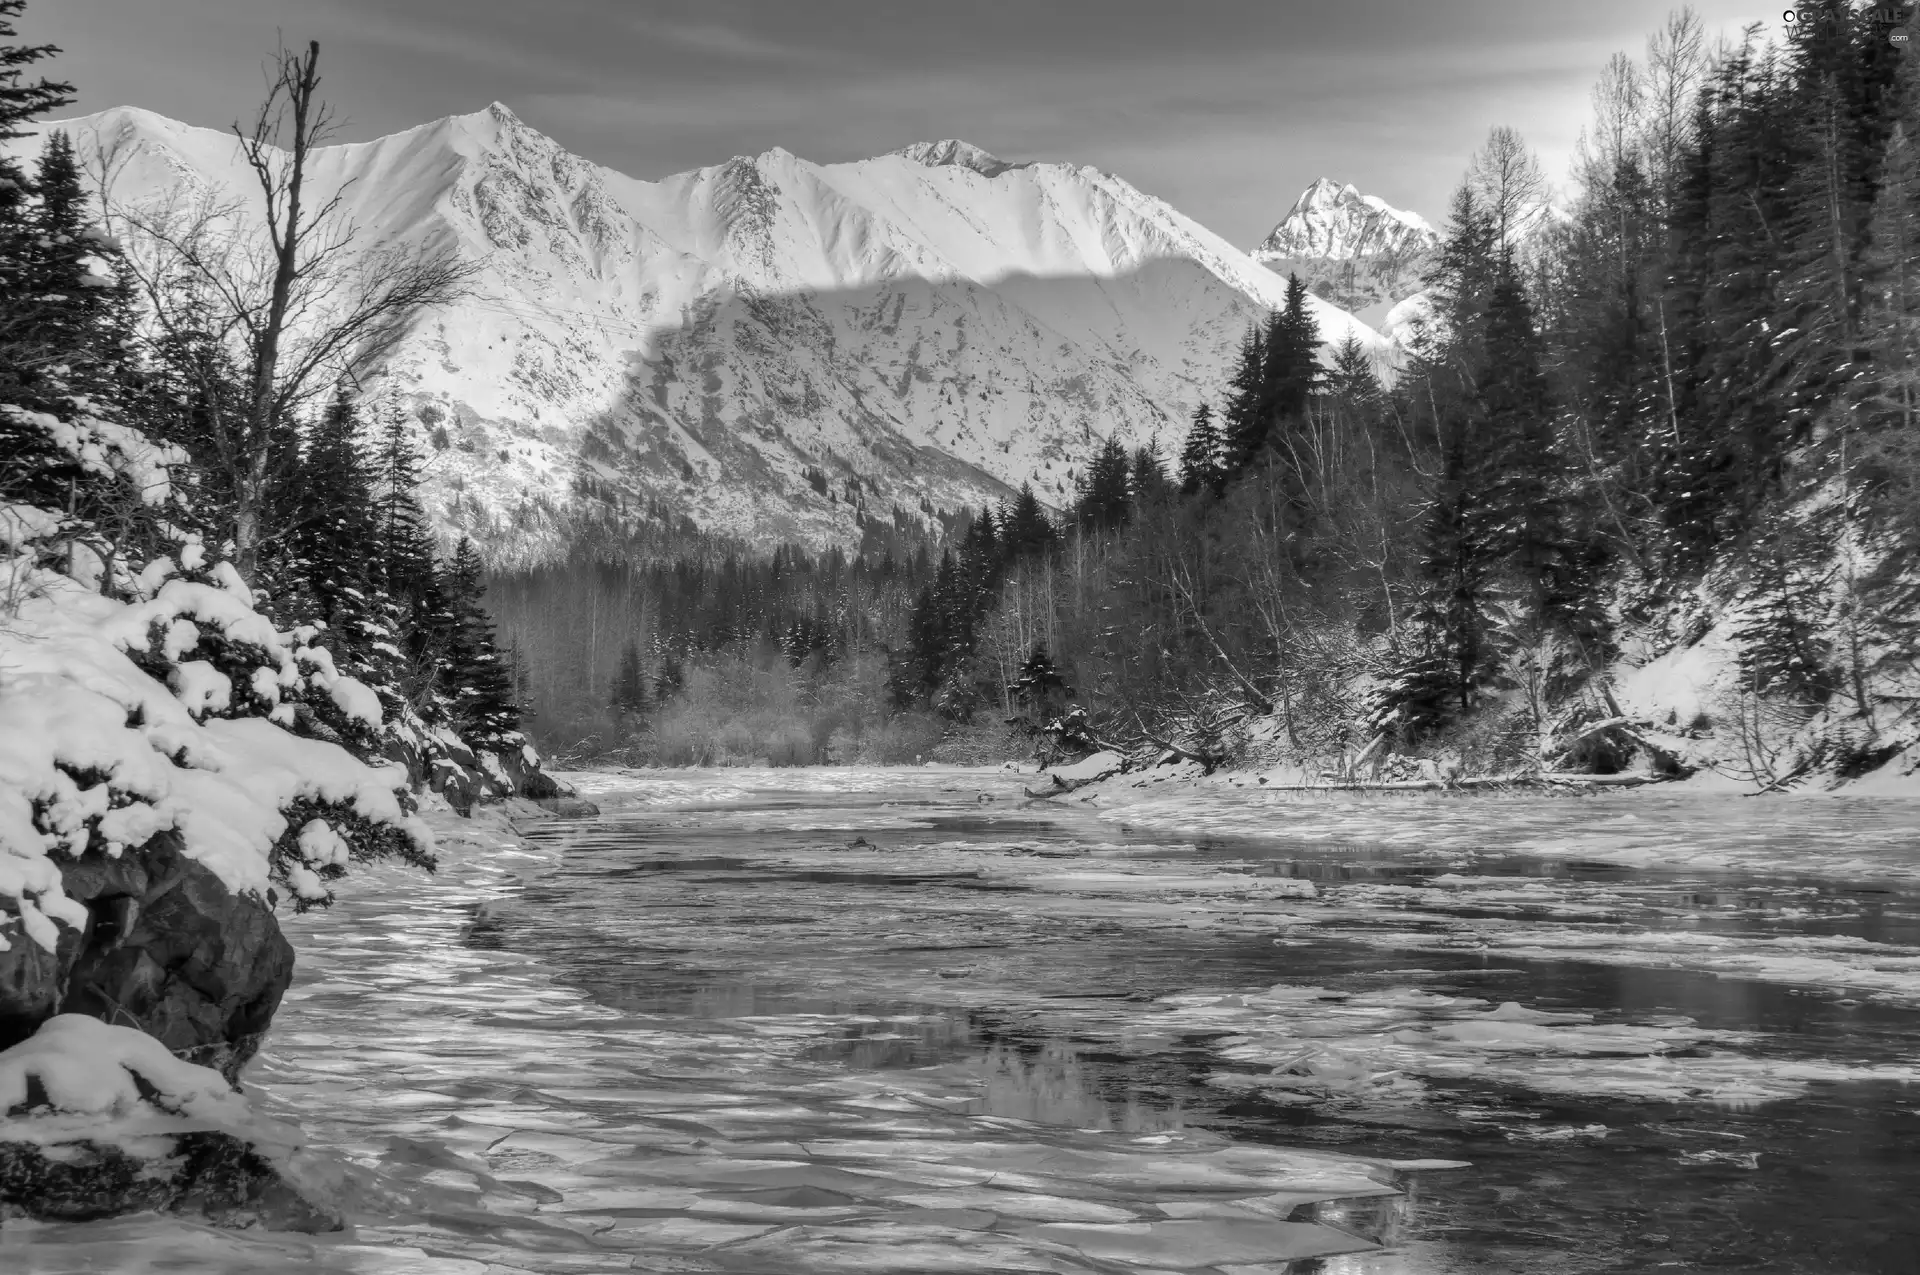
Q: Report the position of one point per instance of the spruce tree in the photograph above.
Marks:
(630, 681)
(1292, 369)
(1454, 652)
(1203, 458)
(1147, 475)
(479, 687)
(1244, 419)
(1025, 527)
(1287, 375)
(1353, 380)
(405, 568)
(24, 349)
(1526, 518)
(1039, 685)
(337, 546)
(1781, 640)
(73, 302)
(1462, 278)
(1104, 500)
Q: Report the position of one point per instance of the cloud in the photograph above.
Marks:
(726, 42)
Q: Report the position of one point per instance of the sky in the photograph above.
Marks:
(1227, 109)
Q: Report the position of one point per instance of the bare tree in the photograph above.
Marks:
(280, 296)
(1506, 178)
(1676, 62)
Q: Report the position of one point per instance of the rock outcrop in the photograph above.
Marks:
(98, 1121)
(167, 948)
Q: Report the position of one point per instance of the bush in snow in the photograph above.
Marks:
(143, 696)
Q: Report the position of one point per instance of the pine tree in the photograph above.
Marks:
(1203, 459)
(1781, 642)
(1025, 527)
(1244, 420)
(335, 551)
(1147, 475)
(1103, 499)
(1526, 515)
(24, 350)
(73, 302)
(405, 567)
(1454, 653)
(1462, 279)
(1353, 380)
(1288, 374)
(1039, 685)
(1292, 370)
(480, 687)
(630, 681)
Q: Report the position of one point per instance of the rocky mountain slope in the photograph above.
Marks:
(1354, 250)
(773, 347)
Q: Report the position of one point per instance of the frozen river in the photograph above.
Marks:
(910, 1021)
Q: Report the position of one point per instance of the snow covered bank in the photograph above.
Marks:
(172, 768)
(96, 1121)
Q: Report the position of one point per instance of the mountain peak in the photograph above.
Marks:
(954, 153)
(1335, 221)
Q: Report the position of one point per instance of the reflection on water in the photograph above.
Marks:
(894, 1029)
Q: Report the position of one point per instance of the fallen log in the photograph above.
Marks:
(1575, 780)
(1470, 783)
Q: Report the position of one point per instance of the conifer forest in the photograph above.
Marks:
(1679, 396)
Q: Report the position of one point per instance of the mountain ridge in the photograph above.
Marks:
(776, 348)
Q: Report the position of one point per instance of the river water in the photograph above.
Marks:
(911, 1021)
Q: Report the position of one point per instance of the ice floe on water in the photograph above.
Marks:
(1312, 1045)
(867, 1020)
(1855, 836)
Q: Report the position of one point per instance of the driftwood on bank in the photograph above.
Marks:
(1470, 783)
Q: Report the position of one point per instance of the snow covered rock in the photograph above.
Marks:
(156, 800)
(98, 1121)
(1079, 774)
(167, 946)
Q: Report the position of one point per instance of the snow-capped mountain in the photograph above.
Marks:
(1355, 250)
(767, 345)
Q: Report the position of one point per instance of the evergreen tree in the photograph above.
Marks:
(1103, 499)
(1203, 458)
(405, 567)
(1244, 419)
(1526, 519)
(1454, 653)
(1039, 686)
(1026, 529)
(1781, 642)
(1147, 475)
(74, 304)
(1462, 279)
(1892, 267)
(630, 681)
(480, 687)
(24, 349)
(336, 549)
(1292, 370)
(1288, 374)
(1353, 380)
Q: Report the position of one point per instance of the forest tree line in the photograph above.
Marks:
(246, 348)
(1683, 391)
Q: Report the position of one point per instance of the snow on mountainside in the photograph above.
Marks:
(1354, 250)
(766, 345)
